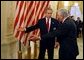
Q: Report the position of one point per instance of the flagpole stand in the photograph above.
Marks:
(35, 50)
(34, 39)
(35, 47)
(19, 52)
(29, 51)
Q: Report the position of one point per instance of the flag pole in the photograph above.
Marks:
(19, 52)
(29, 51)
(35, 50)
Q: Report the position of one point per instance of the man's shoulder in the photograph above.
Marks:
(69, 22)
(53, 19)
(45, 18)
(42, 19)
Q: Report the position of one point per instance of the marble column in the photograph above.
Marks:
(9, 45)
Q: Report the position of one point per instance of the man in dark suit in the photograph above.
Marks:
(66, 34)
(45, 25)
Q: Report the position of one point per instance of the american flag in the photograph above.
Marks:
(27, 14)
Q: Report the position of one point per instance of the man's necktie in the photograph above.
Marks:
(47, 23)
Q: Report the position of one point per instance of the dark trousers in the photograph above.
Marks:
(66, 56)
(49, 45)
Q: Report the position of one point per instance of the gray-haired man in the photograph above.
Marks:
(66, 34)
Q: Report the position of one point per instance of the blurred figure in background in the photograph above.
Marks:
(79, 26)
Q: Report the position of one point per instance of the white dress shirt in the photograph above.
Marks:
(49, 23)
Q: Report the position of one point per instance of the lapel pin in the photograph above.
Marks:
(54, 28)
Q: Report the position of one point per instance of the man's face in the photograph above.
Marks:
(78, 18)
(48, 13)
(59, 17)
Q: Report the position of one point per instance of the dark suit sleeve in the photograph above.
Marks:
(29, 29)
(62, 31)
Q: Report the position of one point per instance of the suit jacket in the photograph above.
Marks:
(41, 24)
(66, 34)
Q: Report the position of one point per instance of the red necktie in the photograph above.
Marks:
(47, 23)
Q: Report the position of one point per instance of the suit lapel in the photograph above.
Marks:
(51, 25)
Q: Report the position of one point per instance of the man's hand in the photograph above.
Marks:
(21, 29)
(57, 44)
(34, 38)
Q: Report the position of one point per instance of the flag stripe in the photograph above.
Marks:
(21, 18)
(17, 34)
(28, 20)
(16, 20)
